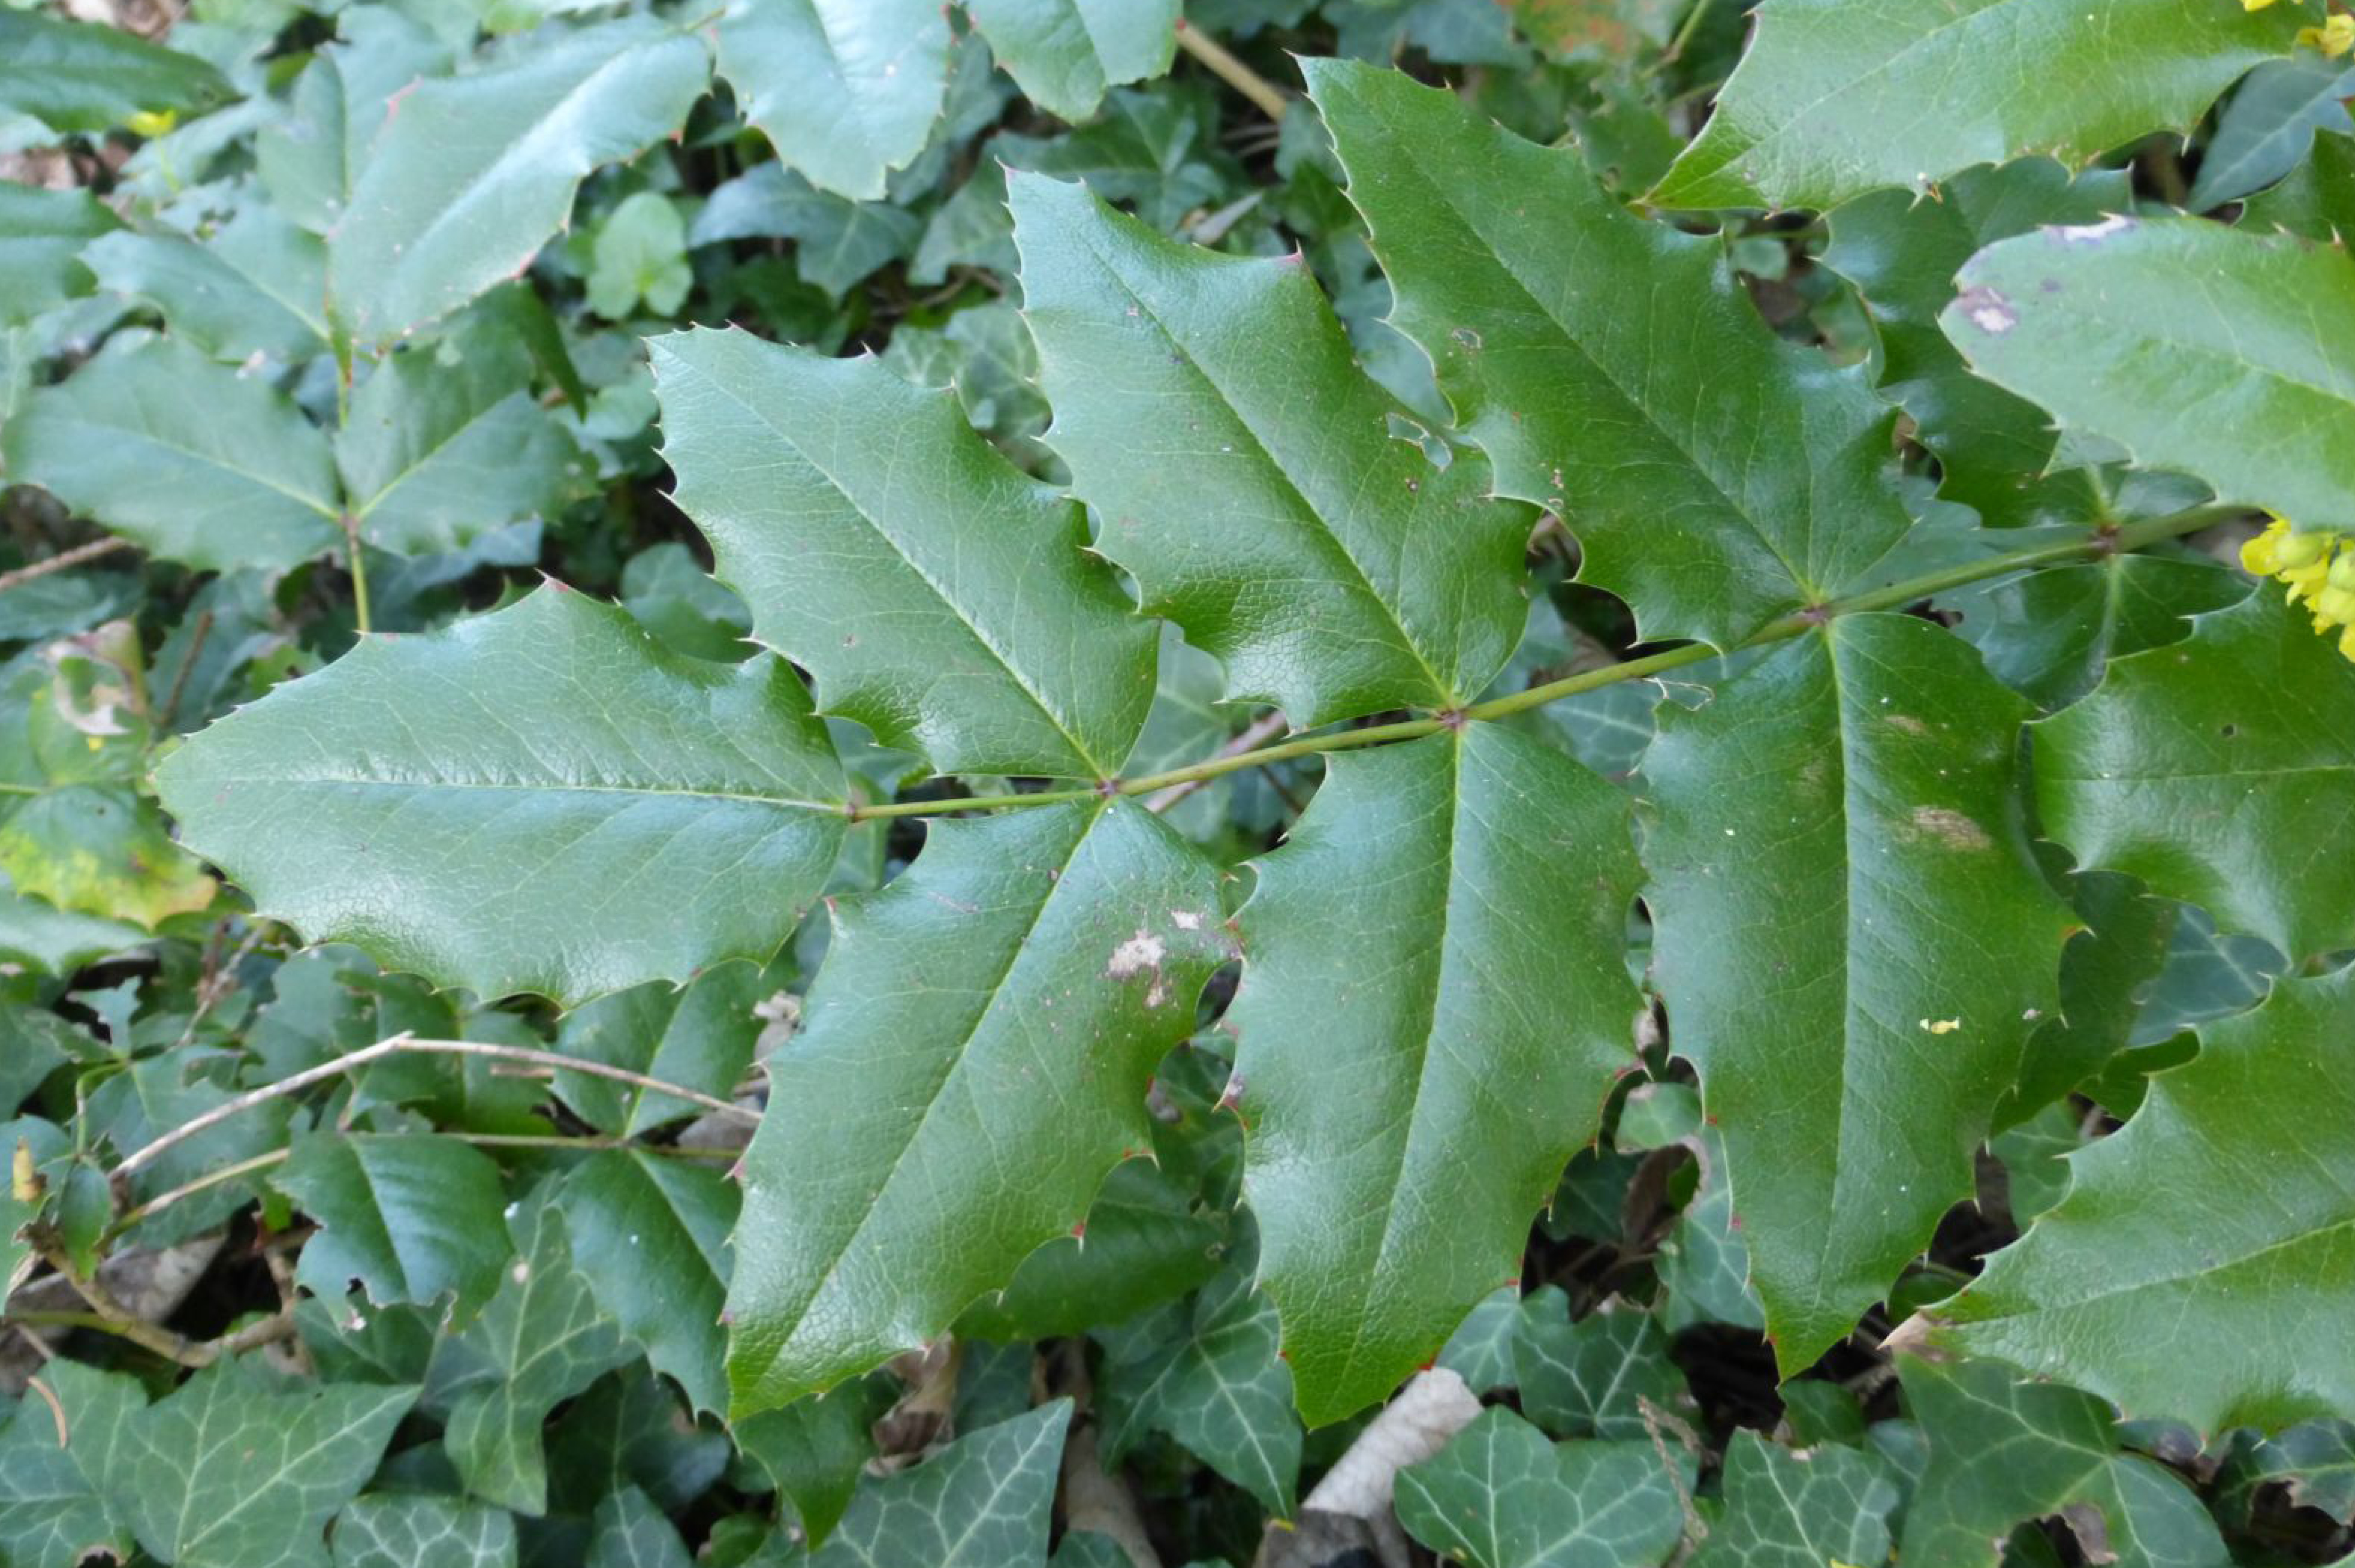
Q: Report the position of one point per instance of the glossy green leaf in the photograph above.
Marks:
(2213, 769)
(80, 78)
(542, 1340)
(983, 1502)
(640, 256)
(42, 235)
(2105, 971)
(100, 849)
(2313, 1463)
(546, 799)
(1143, 1244)
(1593, 1378)
(838, 242)
(631, 1429)
(2049, 635)
(406, 1216)
(1500, 1496)
(2192, 1263)
(1211, 412)
(2004, 1453)
(255, 285)
(814, 1451)
(629, 1532)
(1833, 96)
(158, 1093)
(1064, 53)
(939, 595)
(847, 90)
(2270, 125)
(51, 1513)
(1206, 1373)
(441, 448)
(650, 1235)
(699, 1037)
(1995, 451)
(390, 1529)
(230, 1471)
(2317, 199)
(433, 222)
(1787, 1509)
(310, 160)
(186, 458)
(1833, 819)
(974, 1059)
(1443, 932)
(1715, 477)
(2235, 379)
(57, 941)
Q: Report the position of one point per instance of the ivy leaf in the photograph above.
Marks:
(396, 1531)
(51, 1514)
(1593, 1377)
(1500, 1496)
(1844, 806)
(552, 801)
(186, 458)
(231, 1472)
(2005, 1452)
(1786, 1510)
(1206, 1373)
(434, 454)
(1716, 477)
(847, 90)
(1064, 53)
(2098, 325)
(2190, 1260)
(541, 1340)
(699, 1037)
(983, 1502)
(1995, 451)
(1368, 577)
(433, 223)
(255, 285)
(650, 1234)
(631, 1429)
(406, 1216)
(1012, 990)
(1828, 100)
(1445, 930)
(629, 1532)
(2312, 1462)
(2212, 769)
(939, 595)
(83, 79)
(2269, 127)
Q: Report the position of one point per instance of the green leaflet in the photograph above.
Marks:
(1211, 412)
(1787, 1509)
(974, 1060)
(699, 1037)
(847, 90)
(255, 285)
(80, 78)
(431, 222)
(1995, 451)
(229, 1472)
(1854, 941)
(2004, 1452)
(2106, 970)
(396, 1531)
(2270, 125)
(42, 235)
(2196, 1260)
(410, 1216)
(310, 161)
(983, 1501)
(2236, 379)
(814, 1451)
(1444, 932)
(641, 255)
(184, 456)
(2216, 770)
(1614, 371)
(1144, 1244)
(650, 1234)
(939, 595)
(1500, 1496)
(1834, 97)
(2049, 635)
(2317, 199)
(1064, 53)
(543, 800)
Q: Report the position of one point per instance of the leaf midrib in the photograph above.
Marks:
(282, 780)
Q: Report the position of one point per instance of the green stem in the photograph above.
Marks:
(2104, 542)
(352, 556)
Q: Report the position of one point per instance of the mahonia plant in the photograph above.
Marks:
(1333, 696)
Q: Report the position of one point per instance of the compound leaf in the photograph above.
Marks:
(1442, 933)
(1855, 938)
(1210, 410)
(434, 220)
(939, 595)
(974, 1060)
(1716, 477)
(2216, 770)
(1834, 97)
(2197, 1253)
(544, 798)
(847, 90)
(2214, 352)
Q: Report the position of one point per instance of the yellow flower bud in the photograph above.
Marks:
(2295, 550)
(151, 123)
(2342, 570)
(2334, 37)
(2334, 607)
